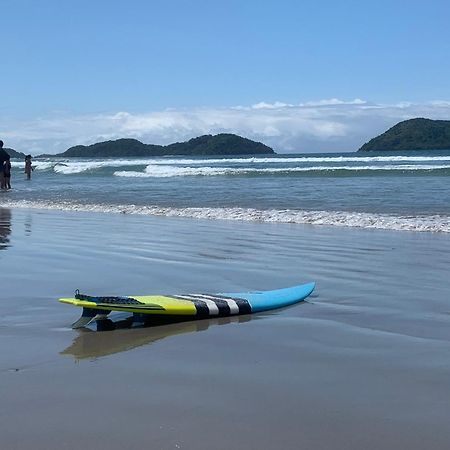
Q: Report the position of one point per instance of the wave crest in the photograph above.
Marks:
(421, 223)
(161, 171)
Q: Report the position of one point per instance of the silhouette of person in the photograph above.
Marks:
(3, 157)
(7, 174)
(28, 167)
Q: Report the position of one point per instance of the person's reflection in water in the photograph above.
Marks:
(5, 228)
(27, 224)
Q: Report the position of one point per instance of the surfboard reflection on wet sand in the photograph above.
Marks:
(90, 344)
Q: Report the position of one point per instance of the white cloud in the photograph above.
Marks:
(442, 103)
(325, 125)
(334, 101)
(276, 105)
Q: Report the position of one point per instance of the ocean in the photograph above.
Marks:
(385, 191)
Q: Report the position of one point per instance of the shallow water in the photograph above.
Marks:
(385, 191)
(364, 363)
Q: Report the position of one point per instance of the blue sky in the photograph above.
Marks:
(88, 61)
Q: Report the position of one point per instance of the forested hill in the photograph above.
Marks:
(14, 154)
(413, 134)
(220, 144)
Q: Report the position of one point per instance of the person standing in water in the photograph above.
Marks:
(28, 166)
(7, 174)
(3, 157)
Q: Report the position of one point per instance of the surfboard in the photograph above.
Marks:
(187, 306)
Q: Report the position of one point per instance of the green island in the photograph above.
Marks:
(13, 154)
(412, 134)
(220, 144)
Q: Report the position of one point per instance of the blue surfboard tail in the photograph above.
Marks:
(267, 300)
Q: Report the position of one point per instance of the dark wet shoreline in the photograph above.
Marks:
(363, 364)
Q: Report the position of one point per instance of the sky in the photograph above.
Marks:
(300, 76)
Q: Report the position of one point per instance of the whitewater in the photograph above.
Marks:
(407, 192)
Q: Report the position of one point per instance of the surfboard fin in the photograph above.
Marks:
(138, 320)
(89, 315)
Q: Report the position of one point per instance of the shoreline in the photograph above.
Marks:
(434, 223)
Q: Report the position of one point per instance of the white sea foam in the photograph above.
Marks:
(304, 159)
(71, 167)
(422, 223)
(37, 165)
(44, 165)
(74, 166)
(160, 171)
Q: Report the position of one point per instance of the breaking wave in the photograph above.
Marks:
(161, 171)
(220, 166)
(421, 223)
(307, 159)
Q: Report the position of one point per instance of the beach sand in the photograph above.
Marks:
(364, 364)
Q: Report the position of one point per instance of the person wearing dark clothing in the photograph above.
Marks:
(3, 157)
(7, 173)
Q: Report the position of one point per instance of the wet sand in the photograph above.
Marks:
(364, 364)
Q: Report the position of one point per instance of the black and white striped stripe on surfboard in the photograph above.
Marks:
(216, 305)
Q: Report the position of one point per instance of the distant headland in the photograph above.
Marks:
(220, 144)
(14, 154)
(413, 134)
